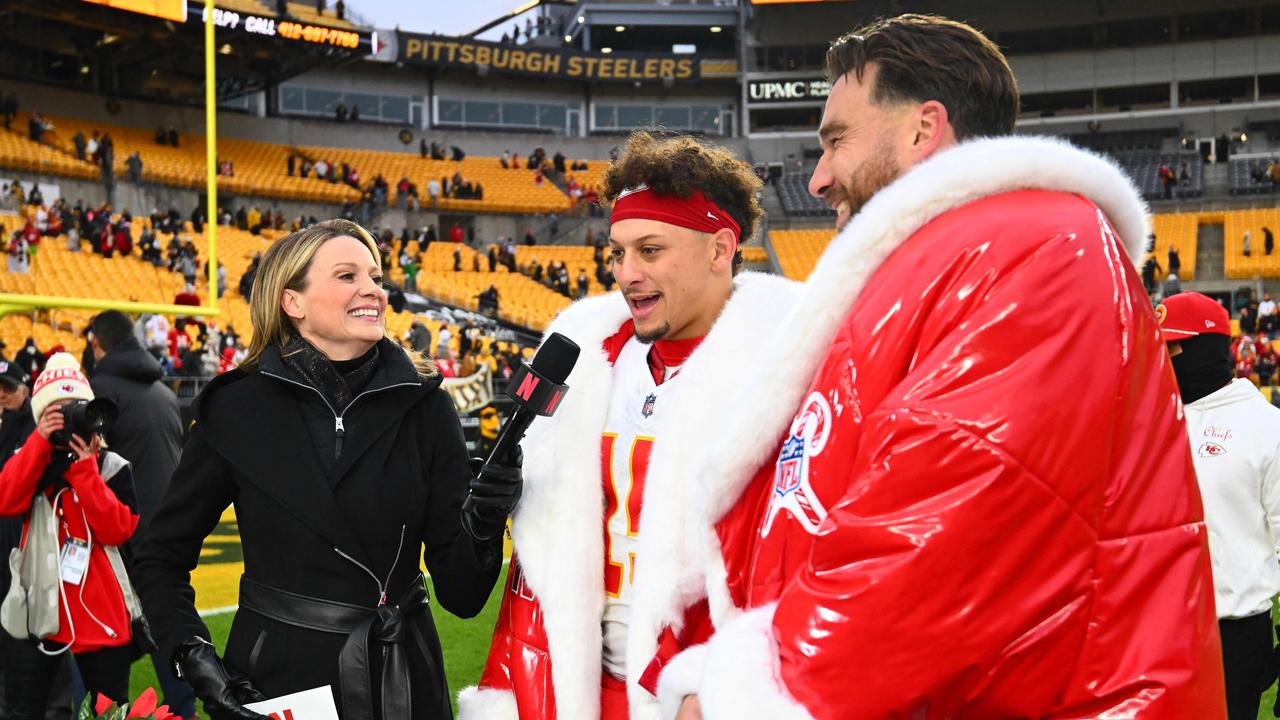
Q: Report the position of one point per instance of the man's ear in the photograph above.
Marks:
(933, 130)
(724, 246)
(291, 303)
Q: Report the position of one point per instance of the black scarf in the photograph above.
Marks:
(339, 381)
(1204, 366)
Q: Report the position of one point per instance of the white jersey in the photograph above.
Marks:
(1235, 444)
(635, 410)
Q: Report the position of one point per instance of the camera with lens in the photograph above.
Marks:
(84, 418)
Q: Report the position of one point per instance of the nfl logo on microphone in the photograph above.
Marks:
(790, 466)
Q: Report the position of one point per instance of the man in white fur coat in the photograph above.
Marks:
(603, 587)
(965, 495)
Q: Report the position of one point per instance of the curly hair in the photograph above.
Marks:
(679, 165)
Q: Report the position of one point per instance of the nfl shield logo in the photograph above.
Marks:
(790, 466)
(647, 410)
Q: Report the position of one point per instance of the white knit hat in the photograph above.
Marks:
(61, 380)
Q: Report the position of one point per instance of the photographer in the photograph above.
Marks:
(65, 463)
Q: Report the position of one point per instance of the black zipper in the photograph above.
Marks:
(339, 429)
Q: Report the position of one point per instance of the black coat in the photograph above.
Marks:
(325, 532)
(15, 427)
(148, 432)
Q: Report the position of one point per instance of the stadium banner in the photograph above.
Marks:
(784, 90)
(470, 393)
(361, 41)
(562, 63)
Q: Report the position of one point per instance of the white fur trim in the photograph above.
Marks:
(475, 703)
(557, 527)
(669, 566)
(962, 174)
(740, 676)
(680, 678)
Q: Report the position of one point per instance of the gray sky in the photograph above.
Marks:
(447, 17)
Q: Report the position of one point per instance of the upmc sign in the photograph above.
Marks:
(781, 91)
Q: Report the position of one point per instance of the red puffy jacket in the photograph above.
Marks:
(970, 494)
(93, 614)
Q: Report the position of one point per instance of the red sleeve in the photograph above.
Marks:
(111, 521)
(697, 629)
(497, 666)
(21, 475)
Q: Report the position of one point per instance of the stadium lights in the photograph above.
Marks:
(582, 19)
(716, 28)
(568, 38)
(606, 51)
(84, 69)
(619, 28)
(225, 49)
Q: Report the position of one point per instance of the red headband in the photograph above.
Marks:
(696, 212)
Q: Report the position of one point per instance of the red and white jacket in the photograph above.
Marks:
(546, 650)
(968, 494)
(93, 615)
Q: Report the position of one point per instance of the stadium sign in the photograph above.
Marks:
(565, 63)
(287, 29)
(789, 90)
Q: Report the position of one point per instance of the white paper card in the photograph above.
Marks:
(314, 704)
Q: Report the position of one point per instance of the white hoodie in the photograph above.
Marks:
(1235, 444)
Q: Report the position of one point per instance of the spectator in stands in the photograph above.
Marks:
(161, 136)
(222, 279)
(1273, 173)
(35, 197)
(8, 109)
(529, 238)
(80, 144)
(558, 162)
(1267, 318)
(134, 163)
(457, 259)
(1268, 240)
(1246, 245)
(1248, 323)
(340, 10)
(226, 168)
(437, 151)
(291, 164)
(583, 282)
(1172, 286)
(242, 218)
(455, 233)
(423, 150)
(304, 170)
(443, 341)
(1266, 362)
(173, 136)
(1175, 262)
(1168, 179)
(458, 154)
(91, 147)
(340, 112)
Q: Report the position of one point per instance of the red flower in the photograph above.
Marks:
(144, 705)
(101, 704)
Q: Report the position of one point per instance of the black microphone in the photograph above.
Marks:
(537, 390)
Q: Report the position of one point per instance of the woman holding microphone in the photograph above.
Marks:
(343, 458)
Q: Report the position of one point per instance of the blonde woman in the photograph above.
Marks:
(343, 458)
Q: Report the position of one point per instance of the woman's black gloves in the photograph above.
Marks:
(494, 491)
(223, 692)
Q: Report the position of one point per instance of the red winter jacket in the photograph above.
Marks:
(974, 498)
(94, 611)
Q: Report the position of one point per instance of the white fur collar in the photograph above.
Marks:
(953, 178)
(556, 529)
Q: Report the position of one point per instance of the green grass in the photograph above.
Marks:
(466, 642)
